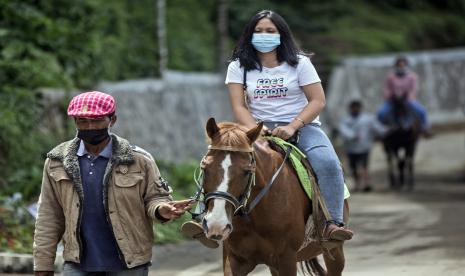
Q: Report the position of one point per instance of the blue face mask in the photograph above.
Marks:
(265, 42)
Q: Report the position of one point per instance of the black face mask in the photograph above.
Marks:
(400, 72)
(93, 136)
(354, 114)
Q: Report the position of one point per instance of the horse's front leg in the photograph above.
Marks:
(391, 175)
(287, 264)
(401, 163)
(410, 173)
(236, 266)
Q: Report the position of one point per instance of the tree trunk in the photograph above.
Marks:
(161, 35)
(222, 32)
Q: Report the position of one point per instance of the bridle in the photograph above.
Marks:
(240, 204)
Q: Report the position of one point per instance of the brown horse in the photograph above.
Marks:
(235, 169)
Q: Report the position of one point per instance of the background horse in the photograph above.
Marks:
(400, 143)
(236, 169)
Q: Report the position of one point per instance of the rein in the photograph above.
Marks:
(239, 204)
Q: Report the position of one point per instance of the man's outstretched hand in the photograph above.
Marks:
(174, 209)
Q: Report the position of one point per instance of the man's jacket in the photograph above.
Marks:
(133, 189)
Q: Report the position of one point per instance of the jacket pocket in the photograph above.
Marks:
(128, 180)
(59, 175)
(65, 186)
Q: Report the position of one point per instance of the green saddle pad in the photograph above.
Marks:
(296, 156)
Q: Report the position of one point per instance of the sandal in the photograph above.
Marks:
(195, 231)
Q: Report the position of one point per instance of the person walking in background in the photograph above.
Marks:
(359, 130)
(402, 83)
(99, 195)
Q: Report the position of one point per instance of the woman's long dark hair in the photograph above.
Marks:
(247, 55)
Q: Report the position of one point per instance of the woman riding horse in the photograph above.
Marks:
(284, 91)
(401, 86)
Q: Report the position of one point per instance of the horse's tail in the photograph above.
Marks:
(312, 267)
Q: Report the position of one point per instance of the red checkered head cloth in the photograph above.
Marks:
(92, 105)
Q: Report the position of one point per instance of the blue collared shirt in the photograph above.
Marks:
(100, 250)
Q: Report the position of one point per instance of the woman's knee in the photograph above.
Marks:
(326, 165)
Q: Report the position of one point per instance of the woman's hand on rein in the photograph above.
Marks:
(284, 132)
(265, 131)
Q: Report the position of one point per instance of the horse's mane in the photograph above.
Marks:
(234, 135)
(230, 134)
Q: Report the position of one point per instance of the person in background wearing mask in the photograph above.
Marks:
(99, 195)
(359, 130)
(403, 83)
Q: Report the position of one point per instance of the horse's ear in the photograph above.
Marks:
(212, 128)
(255, 132)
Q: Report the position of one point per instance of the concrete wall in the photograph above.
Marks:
(167, 117)
(441, 76)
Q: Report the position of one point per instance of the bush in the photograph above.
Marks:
(181, 179)
(16, 225)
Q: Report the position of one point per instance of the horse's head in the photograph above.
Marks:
(228, 174)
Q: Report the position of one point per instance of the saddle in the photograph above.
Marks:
(298, 161)
(307, 178)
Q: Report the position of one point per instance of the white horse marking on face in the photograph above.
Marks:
(218, 216)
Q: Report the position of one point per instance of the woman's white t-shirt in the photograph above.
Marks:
(275, 94)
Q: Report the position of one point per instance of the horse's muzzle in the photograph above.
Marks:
(216, 232)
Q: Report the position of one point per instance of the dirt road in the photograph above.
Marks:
(417, 233)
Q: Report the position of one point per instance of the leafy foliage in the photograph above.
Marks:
(191, 35)
(16, 226)
(63, 44)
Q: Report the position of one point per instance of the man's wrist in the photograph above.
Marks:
(159, 216)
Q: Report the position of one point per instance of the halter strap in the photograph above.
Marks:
(223, 195)
(229, 148)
